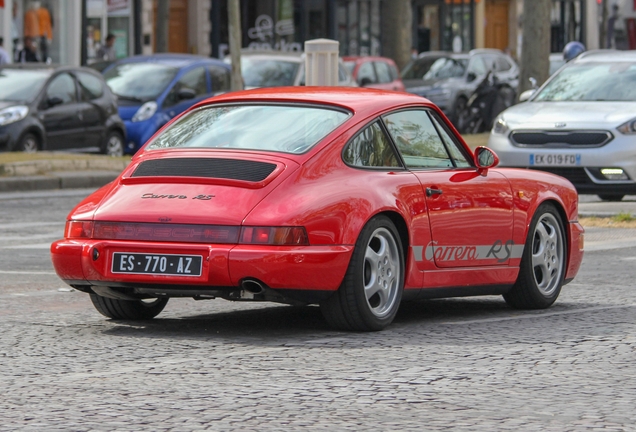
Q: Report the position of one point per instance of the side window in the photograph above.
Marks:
(394, 72)
(477, 66)
(384, 73)
(193, 80)
(503, 64)
(63, 87)
(366, 74)
(220, 78)
(92, 87)
(371, 148)
(453, 148)
(417, 139)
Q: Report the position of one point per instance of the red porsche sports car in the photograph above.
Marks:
(353, 199)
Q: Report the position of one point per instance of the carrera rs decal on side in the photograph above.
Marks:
(499, 250)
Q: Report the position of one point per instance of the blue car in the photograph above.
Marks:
(153, 89)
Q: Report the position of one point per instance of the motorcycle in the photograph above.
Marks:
(484, 105)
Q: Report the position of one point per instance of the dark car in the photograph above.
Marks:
(155, 88)
(44, 107)
(374, 72)
(449, 79)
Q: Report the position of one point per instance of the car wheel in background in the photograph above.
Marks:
(611, 197)
(29, 143)
(370, 294)
(114, 144)
(542, 268)
(128, 309)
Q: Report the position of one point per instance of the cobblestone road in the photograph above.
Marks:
(460, 364)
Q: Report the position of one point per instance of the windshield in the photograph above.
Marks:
(139, 81)
(263, 72)
(289, 129)
(446, 68)
(417, 68)
(18, 85)
(592, 82)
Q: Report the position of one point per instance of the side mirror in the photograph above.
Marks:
(471, 77)
(365, 82)
(527, 95)
(51, 102)
(485, 158)
(186, 93)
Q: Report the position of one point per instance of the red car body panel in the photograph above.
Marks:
(472, 235)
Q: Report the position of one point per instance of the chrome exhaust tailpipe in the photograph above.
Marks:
(252, 286)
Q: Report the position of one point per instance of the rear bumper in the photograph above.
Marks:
(312, 268)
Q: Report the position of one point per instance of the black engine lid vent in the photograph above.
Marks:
(233, 169)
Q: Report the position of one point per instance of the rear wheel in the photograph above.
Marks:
(542, 268)
(114, 144)
(29, 143)
(128, 309)
(370, 294)
(611, 197)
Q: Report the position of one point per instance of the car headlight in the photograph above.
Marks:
(500, 126)
(13, 114)
(628, 128)
(145, 111)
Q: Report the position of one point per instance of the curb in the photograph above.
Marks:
(58, 180)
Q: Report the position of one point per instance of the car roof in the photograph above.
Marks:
(50, 68)
(170, 59)
(604, 55)
(291, 56)
(371, 58)
(354, 99)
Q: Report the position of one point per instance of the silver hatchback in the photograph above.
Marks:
(581, 124)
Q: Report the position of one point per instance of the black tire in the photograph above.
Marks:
(611, 197)
(353, 307)
(543, 263)
(29, 143)
(128, 309)
(114, 144)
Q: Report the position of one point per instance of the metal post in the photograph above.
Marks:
(83, 47)
(215, 33)
(137, 26)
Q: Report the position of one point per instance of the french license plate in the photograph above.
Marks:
(555, 159)
(164, 264)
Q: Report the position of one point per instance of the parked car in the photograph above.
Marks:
(155, 88)
(374, 72)
(280, 69)
(449, 79)
(350, 198)
(581, 124)
(45, 107)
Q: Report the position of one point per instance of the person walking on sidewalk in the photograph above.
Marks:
(5, 58)
(107, 51)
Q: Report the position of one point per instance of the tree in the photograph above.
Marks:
(397, 25)
(163, 15)
(234, 25)
(535, 46)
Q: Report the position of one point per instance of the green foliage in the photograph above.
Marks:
(623, 217)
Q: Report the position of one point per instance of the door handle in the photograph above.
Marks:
(431, 192)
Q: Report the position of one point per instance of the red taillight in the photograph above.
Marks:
(78, 229)
(279, 236)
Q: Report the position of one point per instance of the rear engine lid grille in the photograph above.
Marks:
(561, 138)
(232, 169)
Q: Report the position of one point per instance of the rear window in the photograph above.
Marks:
(280, 128)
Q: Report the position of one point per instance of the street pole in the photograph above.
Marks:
(535, 46)
(234, 22)
(163, 15)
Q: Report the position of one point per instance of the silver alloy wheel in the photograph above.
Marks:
(30, 144)
(381, 272)
(114, 146)
(547, 254)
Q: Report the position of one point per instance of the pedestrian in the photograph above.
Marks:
(5, 58)
(107, 51)
(28, 54)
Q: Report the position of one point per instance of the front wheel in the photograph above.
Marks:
(370, 294)
(543, 262)
(128, 309)
(114, 144)
(29, 143)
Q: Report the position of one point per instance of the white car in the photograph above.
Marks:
(581, 124)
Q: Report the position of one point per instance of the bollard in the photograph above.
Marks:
(321, 62)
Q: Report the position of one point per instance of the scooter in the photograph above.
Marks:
(487, 101)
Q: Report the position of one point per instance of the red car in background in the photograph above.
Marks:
(374, 72)
(349, 198)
